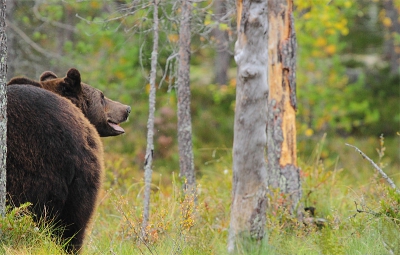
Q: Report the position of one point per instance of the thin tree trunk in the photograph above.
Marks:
(150, 123)
(222, 57)
(3, 107)
(186, 163)
(248, 209)
(282, 159)
(11, 43)
(394, 29)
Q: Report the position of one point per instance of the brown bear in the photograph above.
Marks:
(54, 160)
(105, 114)
(55, 157)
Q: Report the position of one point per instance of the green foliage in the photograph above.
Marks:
(324, 91)
(330, 99)
(20, 234)
(330, 242)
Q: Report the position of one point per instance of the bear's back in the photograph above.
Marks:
(52, 150)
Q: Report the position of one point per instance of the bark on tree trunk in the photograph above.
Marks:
(3, 107)
(249, 201)
(392, 50)
(222, 57)
(11, 43)
(283, 172)
(186, 163)
(150, 123)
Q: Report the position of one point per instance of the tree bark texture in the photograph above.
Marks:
(3, 107)
(150, 123)
(249, 200)
(186, 163)
(392, 50)
(11, 42)
(222, 55)
(283, 172)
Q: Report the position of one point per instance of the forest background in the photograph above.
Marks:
(348, 91)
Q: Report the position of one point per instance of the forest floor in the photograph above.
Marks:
(356, 212)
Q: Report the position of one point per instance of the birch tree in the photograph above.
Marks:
(283, 172)
(249, 201)
(3, 107)
(185, 146)
(150, 122)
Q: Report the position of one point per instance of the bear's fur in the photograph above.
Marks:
(54, 160)
(105, 114)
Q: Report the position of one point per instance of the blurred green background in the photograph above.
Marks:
(348, 84)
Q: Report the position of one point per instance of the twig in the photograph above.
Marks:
(30, 42)
(52, 22)
(384, 175)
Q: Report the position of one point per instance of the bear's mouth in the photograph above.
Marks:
(116, 127)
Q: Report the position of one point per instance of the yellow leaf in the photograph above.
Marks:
(330, 31)
(321, 41)
(173, 37)
(95, 5)
(330, 49)
(120, 75)
(223, 27)
(309, 132)
(387, 22)
(232, 82)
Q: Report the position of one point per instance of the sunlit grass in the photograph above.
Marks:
(20, 234)
(361, 213)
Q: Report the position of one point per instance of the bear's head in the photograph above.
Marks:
(105, 114)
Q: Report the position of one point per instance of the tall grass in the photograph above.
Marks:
(358, 211)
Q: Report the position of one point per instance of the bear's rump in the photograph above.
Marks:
(48, 149)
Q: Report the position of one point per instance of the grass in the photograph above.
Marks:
(362, 213)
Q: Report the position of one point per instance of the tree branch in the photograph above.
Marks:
(52, 22)
(384, 175)
(30, 42)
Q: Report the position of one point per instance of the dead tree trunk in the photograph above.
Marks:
(186, 163)
(283, 172)
(3, 107)
(150, 123)
(249, 201)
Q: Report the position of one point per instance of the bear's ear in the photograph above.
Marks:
(48, 75)
(73, 81)
(74, 75)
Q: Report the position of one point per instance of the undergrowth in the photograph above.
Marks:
(20, 234)
(351, 214)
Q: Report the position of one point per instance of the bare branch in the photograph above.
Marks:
(30, 42)
(52, 22)
(168, 67)
(384, 175)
